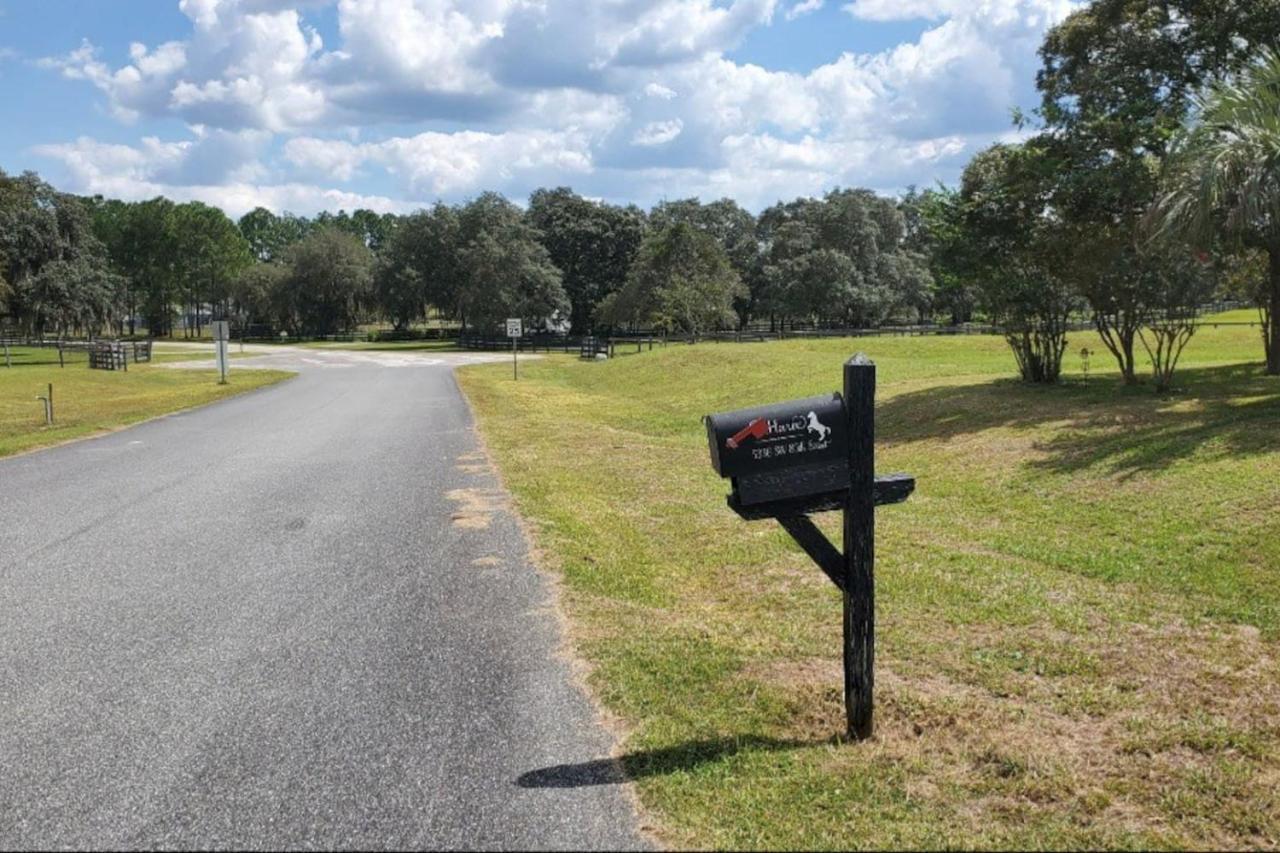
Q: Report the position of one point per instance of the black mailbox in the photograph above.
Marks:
(781, 453)
(792, 459)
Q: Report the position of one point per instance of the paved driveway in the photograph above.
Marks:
(303, 617)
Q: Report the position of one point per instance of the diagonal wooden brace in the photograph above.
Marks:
(889, 489)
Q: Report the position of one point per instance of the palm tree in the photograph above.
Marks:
(1222, 177)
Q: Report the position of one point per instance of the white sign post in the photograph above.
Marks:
(514, 331)
(221, 334)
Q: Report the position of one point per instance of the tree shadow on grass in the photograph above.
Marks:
(652, 762)
(1231, 411)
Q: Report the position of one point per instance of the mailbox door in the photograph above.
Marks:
(789, 484)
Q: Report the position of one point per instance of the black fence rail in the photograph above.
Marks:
(16, 351)
(109, 356)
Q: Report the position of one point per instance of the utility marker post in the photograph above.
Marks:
(514, 331)
(221, 335)
(48, 406)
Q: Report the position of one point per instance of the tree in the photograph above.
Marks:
(804, 281)
(270, 235)
(592, 244)
(734, 229)
(1122, 73)
(1117, 80)
(681, 279)
(1183, 283)
(1018, 254)
(940, 237)
(143, 242)
(329, 276)
(258, 291)
(1222, 178)
(504, 270)
(57, 276)
(210, 252)
(510, 275)
(841, 258)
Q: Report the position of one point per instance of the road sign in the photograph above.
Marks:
(515, 331)
(221, 330)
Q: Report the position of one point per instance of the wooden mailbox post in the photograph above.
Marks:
(789, 460)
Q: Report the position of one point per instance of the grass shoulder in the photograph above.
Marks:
(91, 401)
(1078, 610)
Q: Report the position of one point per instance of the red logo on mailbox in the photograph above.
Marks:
(763, 427)
(758, 428)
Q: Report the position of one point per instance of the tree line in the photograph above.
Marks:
(563, 262)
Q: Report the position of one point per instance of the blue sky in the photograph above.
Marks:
(392, 104)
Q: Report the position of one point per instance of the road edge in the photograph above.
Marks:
(646, 824)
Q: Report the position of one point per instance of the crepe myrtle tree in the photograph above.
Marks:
(1019, 253)
(1182, 282)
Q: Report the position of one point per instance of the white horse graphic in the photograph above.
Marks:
(817, 427)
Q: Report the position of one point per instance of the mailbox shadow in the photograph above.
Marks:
(651, 762)
(1123, 430)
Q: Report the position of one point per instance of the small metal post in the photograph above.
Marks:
(62, 360)
(48, 406)
(515, 361)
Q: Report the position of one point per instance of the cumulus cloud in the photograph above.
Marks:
(153, 167)
(657, 90)
(624, 100)
(658, 132)
(435, 164)
(803, 7)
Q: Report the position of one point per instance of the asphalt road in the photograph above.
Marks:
(303, 617)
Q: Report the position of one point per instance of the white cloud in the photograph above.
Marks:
(803, 7)
(155, 168)
(903, 10)
(658, 132)
(657, 90)
(624, 99)
(440, 163)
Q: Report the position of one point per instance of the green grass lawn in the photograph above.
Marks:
(89, 401)
(1078, 610)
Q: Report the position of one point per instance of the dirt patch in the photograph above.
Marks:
(475, 507)
(487, 561)
(473, 463)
